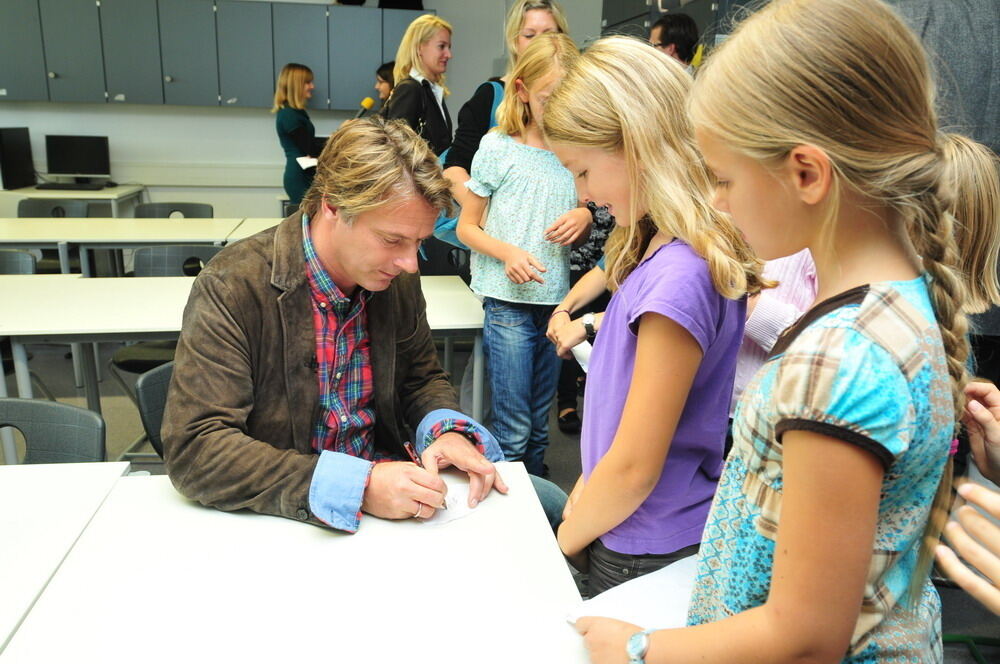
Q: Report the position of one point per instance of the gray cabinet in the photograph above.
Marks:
(300, 36)
(131, 38)
(246, 53)
(394, 24)
(188, 51)
(355, 53)
(22, 61)
(620, 11)
(72, 37)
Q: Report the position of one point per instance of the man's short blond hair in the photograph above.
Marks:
(368, 163)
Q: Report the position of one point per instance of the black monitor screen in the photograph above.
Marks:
(84, 156)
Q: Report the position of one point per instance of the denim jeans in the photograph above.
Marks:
(609, 568)
(552, 498)
(523, 371)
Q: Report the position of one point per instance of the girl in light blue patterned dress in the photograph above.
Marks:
(520, 272)
(819, 541)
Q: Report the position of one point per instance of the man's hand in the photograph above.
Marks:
(977, 540)
(606, 638)
(401, 490)
(982, 421)
(568, 336)
(569, 227)
(454, 449)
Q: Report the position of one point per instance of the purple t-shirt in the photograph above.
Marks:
(673, 282)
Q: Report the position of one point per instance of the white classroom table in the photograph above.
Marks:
(107, 233)
(156, 578)
(112, 195)
(62, 308)
(43, 510)
(250, 227)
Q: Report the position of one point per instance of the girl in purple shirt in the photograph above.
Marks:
(662, 368)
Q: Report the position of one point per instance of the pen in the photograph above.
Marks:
(408, 446)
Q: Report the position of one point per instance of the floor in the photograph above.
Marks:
(960, 613)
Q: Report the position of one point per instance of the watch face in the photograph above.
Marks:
(638, 644)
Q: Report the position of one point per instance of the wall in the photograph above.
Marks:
(230, 157)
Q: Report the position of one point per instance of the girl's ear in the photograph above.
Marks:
(810, 172)
(521, 89)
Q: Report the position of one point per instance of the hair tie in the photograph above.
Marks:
(954, 447)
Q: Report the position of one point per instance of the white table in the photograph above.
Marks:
(112, 195)
(251, 227)
(188, 583)
(43, 510)
(59, 308)
(108, 233)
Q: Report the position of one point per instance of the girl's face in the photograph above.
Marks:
(434, 54)
(307, 91)
(538, 93)
(762, 205)
(600, 176)
(382, 87)
(534, 23)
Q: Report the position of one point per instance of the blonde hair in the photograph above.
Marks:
(420, 31)
(625, 97)
(369, 162)
(849, 77)
(546, 53)
(291, 85)
(515, 21)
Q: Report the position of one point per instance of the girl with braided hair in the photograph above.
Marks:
(821, 534)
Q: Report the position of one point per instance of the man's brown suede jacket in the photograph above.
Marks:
(244, 394)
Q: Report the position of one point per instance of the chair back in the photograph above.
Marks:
(52, 207)
(55, 432)
(173, 260)
(15, 261)
(151, 393)
(165, 210)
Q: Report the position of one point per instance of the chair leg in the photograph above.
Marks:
(42, 387)
(972, 643)
(130, 454)
(121, 382)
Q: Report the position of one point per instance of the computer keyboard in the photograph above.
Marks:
(79, 186)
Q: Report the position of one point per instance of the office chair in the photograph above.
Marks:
(55, 432)
(15, 261)
(151, 393)
(53, 207)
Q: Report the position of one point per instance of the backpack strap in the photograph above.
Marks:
(497, 98)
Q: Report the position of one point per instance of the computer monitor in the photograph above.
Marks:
(78, 156)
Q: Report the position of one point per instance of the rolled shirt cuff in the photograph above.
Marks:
(443, 420)
(338, 488)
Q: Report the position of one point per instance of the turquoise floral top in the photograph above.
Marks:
(528, 190)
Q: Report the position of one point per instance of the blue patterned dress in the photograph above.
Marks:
(867, 367)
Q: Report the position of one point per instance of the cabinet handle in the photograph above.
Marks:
(168, 79)
(232, 100)
(52, 74)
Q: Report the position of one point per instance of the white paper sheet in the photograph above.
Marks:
(457, 501)
(581, 352)
(306, 162)
(658, 600)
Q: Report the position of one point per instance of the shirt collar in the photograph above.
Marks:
(318, 277)
(420, 78)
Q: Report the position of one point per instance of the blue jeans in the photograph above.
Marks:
(523, 372)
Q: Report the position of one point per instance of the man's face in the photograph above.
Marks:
(656, 41)
(377, 246)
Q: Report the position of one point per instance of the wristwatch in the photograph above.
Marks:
(588, 326)
(637, 646)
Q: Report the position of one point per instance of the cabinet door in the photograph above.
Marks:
(355, 54)
(22, 61)
(300, 36)
(394, 24)
(246, 53)
(187, 46)
(131, 40)
(71, 33)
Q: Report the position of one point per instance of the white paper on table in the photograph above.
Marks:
(306, 162)
(658, 600)
(581, 352)
(457, 501)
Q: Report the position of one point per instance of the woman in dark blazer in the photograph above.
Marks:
(295, 130)
(418, 96)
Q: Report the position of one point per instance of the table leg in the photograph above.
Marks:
(7, 434)
(63, 249)
(449, 348)
(90, 387)
(114, 207)
(85, 262)
(21, 369)
(478, 378)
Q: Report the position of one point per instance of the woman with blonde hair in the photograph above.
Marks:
(661, 372)
(830, 505)
(419, 91)
(295, 130)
